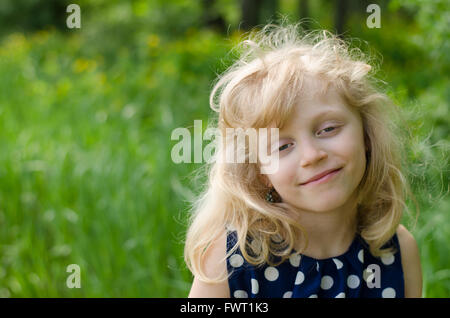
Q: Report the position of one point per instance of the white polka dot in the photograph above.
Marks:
(388, 258)
(340, 295)
(313, 296)
(338, 263)
(327, 282)
(388, 293)
(295, 260)
(255, 286)
(361, 256)
(353, 281)
(287, 294)
(236, 260)
(271, 273)
(300, 278)
(240, 294)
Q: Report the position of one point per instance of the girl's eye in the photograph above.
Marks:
(328, 129)
(283, 147)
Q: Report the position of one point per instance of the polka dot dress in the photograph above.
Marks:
(354, 274)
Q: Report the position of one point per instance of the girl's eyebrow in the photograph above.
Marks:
(319, 115)
(332, 111)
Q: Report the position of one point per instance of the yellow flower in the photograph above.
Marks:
(152, 40)
(41, 36)
(15, 42)
(81, 65)
(102, 78)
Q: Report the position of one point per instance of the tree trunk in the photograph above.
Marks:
(212, 18)
(303, 13)
(267, 11)
(340, 16)
(250, 13)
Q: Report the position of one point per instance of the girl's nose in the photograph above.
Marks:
(310, 153)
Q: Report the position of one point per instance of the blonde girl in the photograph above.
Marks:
(326, 223)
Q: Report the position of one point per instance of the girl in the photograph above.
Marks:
(326, 223)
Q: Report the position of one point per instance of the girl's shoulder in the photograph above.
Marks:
(410, 256)
(404, 235)
(214, 265)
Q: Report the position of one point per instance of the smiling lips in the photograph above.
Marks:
(322, 177)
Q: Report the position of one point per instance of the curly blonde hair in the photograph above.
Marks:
(262, 87)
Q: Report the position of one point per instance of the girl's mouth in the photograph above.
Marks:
(323, 179)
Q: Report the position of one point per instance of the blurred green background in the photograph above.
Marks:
(86, 117)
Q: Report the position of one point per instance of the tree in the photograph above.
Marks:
(211, 17)
(303, 12)
(249, 13)
(340, 15)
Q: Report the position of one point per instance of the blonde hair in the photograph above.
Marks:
(262, 87)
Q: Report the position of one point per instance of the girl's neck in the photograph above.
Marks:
(330, 233)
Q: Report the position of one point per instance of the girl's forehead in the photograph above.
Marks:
(315, 107)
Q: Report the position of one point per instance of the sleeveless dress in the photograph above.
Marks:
(354, 274)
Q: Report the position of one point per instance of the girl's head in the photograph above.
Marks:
(323, 134)
(321, 96)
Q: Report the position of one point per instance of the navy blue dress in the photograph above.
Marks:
(354, 274)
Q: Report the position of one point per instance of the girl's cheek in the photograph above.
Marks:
(347, 143)
(286, 170)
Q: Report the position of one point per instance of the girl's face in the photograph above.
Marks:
(324, 134)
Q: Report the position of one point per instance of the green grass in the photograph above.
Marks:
(86, 173)
(86, 176)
